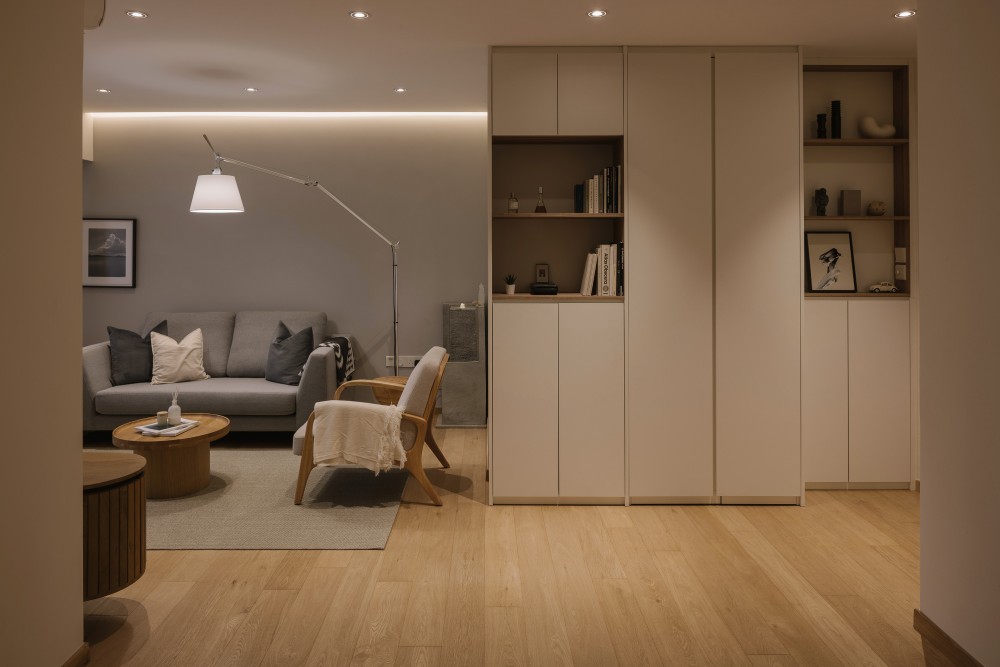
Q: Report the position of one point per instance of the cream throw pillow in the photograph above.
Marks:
(178, 362)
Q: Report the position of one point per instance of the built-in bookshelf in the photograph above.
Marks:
(565, 234)
(878, 167)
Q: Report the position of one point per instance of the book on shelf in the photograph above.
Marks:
(620, 269)
(589, 271)
(604, 270)
(613, 251)
(167, 429)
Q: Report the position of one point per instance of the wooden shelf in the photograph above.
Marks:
(855, 295)
(857, 142)
(872, 218)
(568, 296)
(558, 216)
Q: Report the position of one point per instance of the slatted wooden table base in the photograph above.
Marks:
(114, 522)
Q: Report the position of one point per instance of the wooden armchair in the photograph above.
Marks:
(417, 403)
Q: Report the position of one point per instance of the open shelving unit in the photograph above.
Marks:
(878, 167)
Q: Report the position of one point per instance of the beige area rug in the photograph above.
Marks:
(249, 505)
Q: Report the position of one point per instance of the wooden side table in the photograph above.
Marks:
(114, 522)
(176, 465)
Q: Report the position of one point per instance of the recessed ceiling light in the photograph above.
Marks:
(905, 14)
(399, 90)
(597, 13)
(103, 90)
(359, 15)
(136, 14)
(251, 89)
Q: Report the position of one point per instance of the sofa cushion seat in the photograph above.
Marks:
(223, 396)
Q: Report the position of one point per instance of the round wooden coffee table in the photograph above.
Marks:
(175, 465)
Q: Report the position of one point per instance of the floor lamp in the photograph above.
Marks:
(218, 193)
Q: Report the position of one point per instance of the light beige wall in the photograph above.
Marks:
(41, 611)
(960, 366)
(422, 180)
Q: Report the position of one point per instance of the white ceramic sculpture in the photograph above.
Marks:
(867, 127)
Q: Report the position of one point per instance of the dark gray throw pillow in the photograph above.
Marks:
(132, 355)
(288, 354)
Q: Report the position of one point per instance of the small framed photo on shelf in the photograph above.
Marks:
(108, 252)
(541, 273)
(830, 262)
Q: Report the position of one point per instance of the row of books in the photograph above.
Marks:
(601, 193)
(604, 271)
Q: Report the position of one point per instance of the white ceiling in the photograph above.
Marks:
(307, 55)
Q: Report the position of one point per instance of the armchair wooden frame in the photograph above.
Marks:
(414, 457)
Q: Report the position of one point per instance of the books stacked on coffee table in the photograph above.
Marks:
(167, 429)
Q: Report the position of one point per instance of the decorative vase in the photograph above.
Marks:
(510, 288)
(876, 208)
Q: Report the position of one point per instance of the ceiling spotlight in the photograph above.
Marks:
(597, 13)
(399, 90)
(136, 14)
(905, 14)
(359, 15)
(251, 89)
(103, 90)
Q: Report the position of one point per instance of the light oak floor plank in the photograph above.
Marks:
(831, 583)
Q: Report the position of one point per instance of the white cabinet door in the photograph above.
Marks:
(524, 90)
(525, 401)
(592, 401)
(591, 97)
(824, 392)
(758, 274)
(670, 275)
(879, 343)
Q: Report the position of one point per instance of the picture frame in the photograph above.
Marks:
(109, 252)
(830, 262)
(541, 273)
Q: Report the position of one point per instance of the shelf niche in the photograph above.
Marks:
(879, 168)
(560, 237)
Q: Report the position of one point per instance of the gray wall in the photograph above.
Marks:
(421, 180)
(41, 562)
(959, 505)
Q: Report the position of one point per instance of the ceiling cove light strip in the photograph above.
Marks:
(285, 114)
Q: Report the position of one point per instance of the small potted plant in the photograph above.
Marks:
(509, 280)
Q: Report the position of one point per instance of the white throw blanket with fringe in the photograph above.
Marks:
(363, 433)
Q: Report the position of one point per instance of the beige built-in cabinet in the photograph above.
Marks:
(686, 388)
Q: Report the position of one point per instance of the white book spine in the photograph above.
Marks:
(604, 279)
(589, 269)
(614, 269)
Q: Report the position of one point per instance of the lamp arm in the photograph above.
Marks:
(302, 181)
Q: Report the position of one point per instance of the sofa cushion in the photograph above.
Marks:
(216, 330)
(254, 331)
(175, 361)
(223, 396)
(132, 354)
(287, 354)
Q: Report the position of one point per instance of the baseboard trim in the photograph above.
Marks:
(674, 500)
(759, 500)
(80, 657)
(826, 486)
(940, 650)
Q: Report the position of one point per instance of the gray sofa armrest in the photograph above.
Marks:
(96, 376)
(319, 381)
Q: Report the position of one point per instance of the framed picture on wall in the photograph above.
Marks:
(109, 252)
(830, 262)
(541, 273)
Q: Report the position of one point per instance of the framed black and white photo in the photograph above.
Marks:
(541, 273)
(830, 262)
(108, 252)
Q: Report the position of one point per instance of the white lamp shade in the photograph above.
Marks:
(216, 193)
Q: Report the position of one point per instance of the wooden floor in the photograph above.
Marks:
(833, 583)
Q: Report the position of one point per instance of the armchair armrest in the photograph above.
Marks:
(318, 383)
(374, 384)
(96, 377)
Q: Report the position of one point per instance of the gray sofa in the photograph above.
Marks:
(236, 348)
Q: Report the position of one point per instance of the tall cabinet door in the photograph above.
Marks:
(824, 391)
(758, 278)
(670, 275)
(592, 401)
(525, 391)
(879, 332)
